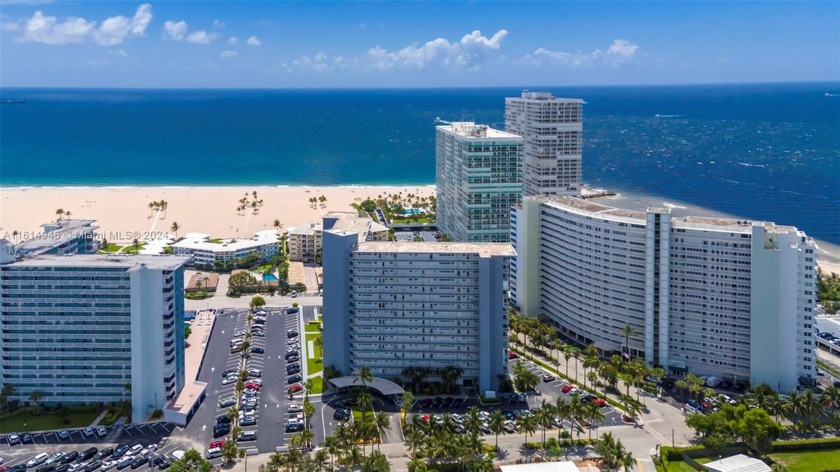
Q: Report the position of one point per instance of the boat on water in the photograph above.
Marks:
(12, 102)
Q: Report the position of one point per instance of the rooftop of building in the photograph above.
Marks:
(307, 230)
(738, 463)
(127, 261)
(351, 221)
(544, 96)
(470, 130)
(202, 242)
(682, 221)
(483, 249)
(55, 234)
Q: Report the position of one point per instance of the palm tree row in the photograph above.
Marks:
(432, 441)
(158, 206)
(624, 368)
(251, 201)
(805, 409)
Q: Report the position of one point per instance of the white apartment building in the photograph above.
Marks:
(61, 237)
(79, 328)
(390, 306)
(479, 177)
(207, 252)
(552, 129)
(712, 296)
(304, 242)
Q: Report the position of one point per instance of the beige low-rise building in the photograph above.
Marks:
(304, 242)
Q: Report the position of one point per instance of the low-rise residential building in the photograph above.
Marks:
(82, 329)
(61, 237)
(304, 242)
(205, 251)
(713, 296)
(398, 305)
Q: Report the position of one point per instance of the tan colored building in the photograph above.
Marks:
(305, 241)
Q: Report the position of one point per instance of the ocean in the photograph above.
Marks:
(758, 151)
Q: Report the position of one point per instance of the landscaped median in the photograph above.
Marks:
(315, 355)
(618, 405)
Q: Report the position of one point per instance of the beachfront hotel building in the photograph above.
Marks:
(552, 129)
(394, 305)
(79, 328)
(711, 296)
(205, 251)
(478, 177)
(304, 242)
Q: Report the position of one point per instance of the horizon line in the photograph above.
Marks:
(449, 87)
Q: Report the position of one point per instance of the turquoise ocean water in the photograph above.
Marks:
(759, 151)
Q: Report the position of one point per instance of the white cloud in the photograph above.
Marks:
(200, 37)
(475, 38)
(175, 30)
(112, 31)
(620, 51)
(470, 52)
(219, 23)
(320, 57)
(253, 41)
(228, 54)
(232, 40)
(118, 52)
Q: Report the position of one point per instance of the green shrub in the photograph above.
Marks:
(806, 445)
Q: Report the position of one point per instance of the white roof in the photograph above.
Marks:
(738, 463)
(201, 242)
(565, 466)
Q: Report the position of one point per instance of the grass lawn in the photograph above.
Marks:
(316, 365)
(317, 385)
(809, 461)
(131, 250)
(312, 327)
(680, 466)
(13, 422)
(110, 248)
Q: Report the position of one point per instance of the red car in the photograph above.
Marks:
(599, 402)
(567, 388)
(512, 355)
(295, 387)
(217, 443)
(252, 386)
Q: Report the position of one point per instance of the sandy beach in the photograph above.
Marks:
(123, 213)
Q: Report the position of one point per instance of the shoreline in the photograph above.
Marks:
(211, 209)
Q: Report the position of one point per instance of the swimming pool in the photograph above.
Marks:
(412, 211)
(270, 278)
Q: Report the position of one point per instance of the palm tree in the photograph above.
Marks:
(795, 407)
(561, 410)
(364, 376)
(545, 418)
(449, 376)
(830, 398)
(497, 424)
(382, 422)
(35, 397)
(527, 424)
(6, 395)
(174, 228)
(68, 213)
(277, 224)
(576, 411)
(590, 362)
(136, 244)
(568, 353)
(813, 406)
(415, 440)
(593, 416)
(60, 213)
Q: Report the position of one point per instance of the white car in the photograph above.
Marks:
(295, 408)
(230, 379)
(13, 438)
(37, 460)
(101, 432)
(133, 450)
(54, 459)
(88, 432)
(108, 465)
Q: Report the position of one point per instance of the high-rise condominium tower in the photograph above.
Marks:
(552, 129)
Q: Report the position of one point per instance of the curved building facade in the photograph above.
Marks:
(710, 296)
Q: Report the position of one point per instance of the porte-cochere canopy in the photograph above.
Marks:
(384, 387)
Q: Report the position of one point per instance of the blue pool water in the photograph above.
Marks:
(270, 278)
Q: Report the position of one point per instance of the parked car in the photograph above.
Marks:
(26, 438)
(230, 379)
(221, 430)
(295, 408)
(139, 462)
(294, 427)
(294, 378)
(101, 431)
(294, 388)
(93, 465)
(217, 443)
(257, 350)
(70, 457)
(105, 452)
(549, 378)
(38, 460)
(88, 453)
(88, 432)
(55, 458)
(246, 436)
(512, 355)
(225, 402)
(63, 434)
(13, 438)
(120, 450)
(255, 372)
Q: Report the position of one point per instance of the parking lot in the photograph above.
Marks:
(270, 411)
(145, 435)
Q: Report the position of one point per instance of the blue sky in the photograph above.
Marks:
(416, 44)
